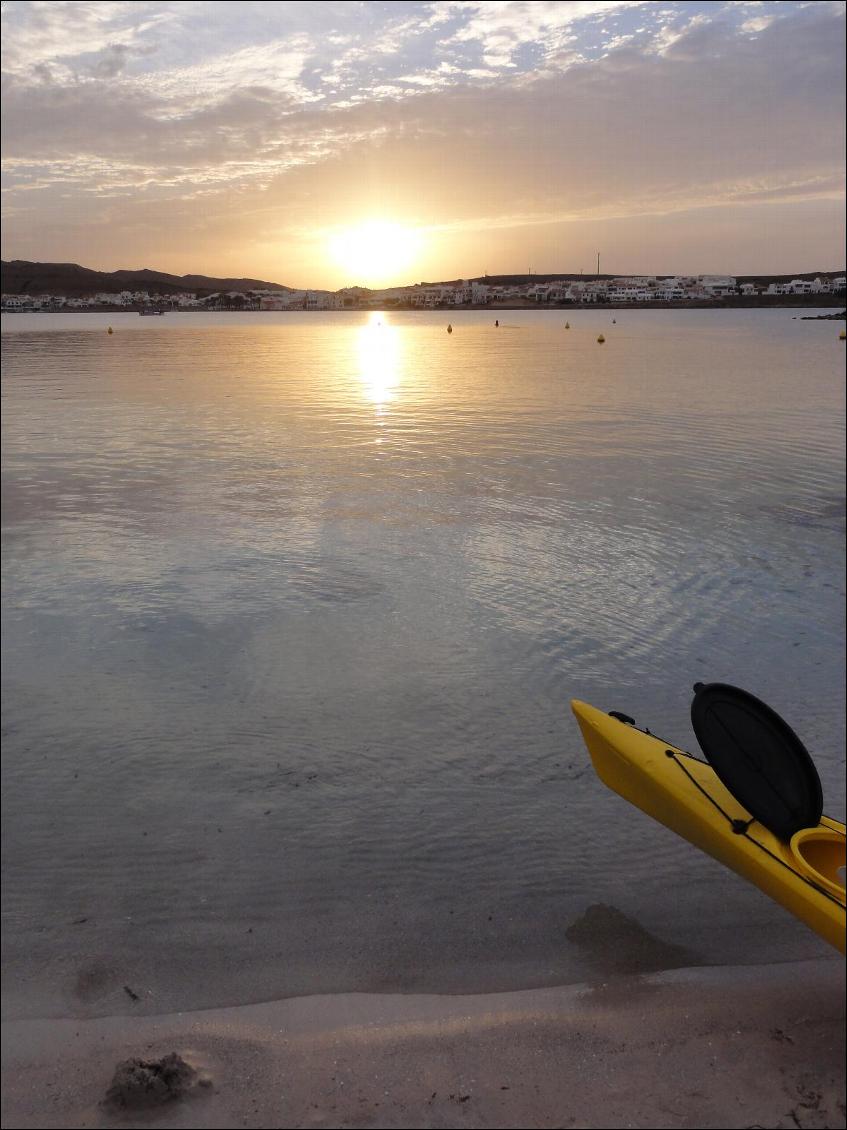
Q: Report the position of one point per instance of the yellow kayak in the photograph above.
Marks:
(804, 874)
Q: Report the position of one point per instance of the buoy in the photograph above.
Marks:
(496, 321)
(449, 328)
(567, 325)
(110, 330)
(842, 336)
(614, 321)
(601, 339)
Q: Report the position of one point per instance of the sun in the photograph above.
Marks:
(376, 253)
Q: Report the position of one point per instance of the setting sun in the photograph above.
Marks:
(377, 252)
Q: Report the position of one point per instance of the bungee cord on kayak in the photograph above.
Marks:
(741, 827)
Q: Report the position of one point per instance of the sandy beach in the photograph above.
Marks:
(731, 1047)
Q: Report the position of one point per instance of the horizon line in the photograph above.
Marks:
(541, 275)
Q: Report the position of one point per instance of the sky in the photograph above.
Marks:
(336, 143)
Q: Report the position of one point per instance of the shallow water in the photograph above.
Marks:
(294, 605)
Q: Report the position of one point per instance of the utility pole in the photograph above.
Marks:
(598, 264)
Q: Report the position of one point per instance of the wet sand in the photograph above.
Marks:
(730, 1047)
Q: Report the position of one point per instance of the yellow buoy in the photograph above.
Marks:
(601, 339)
(567, 325)
(449, 328)
(110, 330)
(842, 336)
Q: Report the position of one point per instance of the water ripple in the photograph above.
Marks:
(293, 606)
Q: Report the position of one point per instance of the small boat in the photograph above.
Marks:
(151, 313)
(800, 865)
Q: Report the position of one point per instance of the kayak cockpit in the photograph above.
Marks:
(820, 854)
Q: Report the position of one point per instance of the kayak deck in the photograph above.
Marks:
(685, 794)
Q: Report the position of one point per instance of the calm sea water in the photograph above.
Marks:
(294, 605)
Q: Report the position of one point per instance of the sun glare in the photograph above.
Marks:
(379, 358)
(377, 253)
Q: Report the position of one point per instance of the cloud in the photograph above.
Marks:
(58, 31)
(111, 62)
(502, 27)
(666, 112)
(275, 66)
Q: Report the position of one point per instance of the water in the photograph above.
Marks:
(294, 605)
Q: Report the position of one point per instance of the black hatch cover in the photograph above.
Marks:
(758, 757)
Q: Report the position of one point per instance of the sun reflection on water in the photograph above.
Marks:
(380, 354)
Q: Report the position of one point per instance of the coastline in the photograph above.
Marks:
(801, 303)
(704, 1047)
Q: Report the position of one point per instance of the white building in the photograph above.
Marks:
(429, 296)
(317, 300)
(631, 291)
(671, 291)
(289, 300)
(584, 292)
(719, 291)
(813, 286)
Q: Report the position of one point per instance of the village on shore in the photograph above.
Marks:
(470, 293)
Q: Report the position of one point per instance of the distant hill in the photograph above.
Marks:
(71, 280)
(521, 280)
(766, 280)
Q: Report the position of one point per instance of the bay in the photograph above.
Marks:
(294, 605)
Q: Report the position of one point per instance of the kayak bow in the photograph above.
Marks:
(805, 875)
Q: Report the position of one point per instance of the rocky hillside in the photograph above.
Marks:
(71, 280)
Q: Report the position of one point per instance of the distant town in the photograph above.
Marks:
(163, 293)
